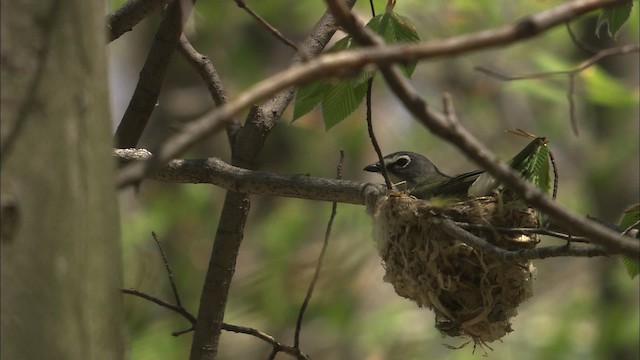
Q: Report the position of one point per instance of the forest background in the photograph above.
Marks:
(61, 258)
(582, 307)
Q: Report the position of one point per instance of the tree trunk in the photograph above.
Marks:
(61, 266)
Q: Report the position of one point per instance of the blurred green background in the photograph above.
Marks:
(581, 309)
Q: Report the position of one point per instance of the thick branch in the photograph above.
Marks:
(348, 62)
(217, 172)
(145, 96)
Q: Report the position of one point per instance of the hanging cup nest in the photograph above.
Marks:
(471, 292)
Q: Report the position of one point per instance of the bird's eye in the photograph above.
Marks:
(403, 161)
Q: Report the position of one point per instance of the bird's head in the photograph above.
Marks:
(410, 167)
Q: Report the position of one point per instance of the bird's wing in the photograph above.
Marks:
(454, 187)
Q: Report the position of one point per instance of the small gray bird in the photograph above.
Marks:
(425, 181)
(409, 167)
(422, 177)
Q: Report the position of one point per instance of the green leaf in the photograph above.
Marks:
(614, 17)
(308, 96)
(395, 29)
(632, 266)
(533, 163)
(342, 44)
(631, 217)
(340, 100)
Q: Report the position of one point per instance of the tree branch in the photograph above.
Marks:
(515, 256)
(216, 172)
(348, 62)
(316, 273)
(207, 71)
(130, 14)
(275, 32)
(145, 96)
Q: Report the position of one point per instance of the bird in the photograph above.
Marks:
(422, 178)
(425, 181)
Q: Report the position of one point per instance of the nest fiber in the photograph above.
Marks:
(471, 292)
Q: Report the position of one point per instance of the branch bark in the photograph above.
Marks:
(216, 172)
(145, 96)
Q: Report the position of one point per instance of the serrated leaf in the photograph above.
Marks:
(308, 96)
(404, 31)
(632, 266)
(340, 100)
(614, 17)
(539, 176)
(395, 29)
(630, 217)
(533, 163)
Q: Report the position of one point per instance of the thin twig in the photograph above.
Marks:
(369, 115)
(316, 274)
(179, 308)
(452, 229)
(554, 194)
(572, 73)
(372, 136)
(226, 327)
(267, 338)
(206, 70)
(579, 43)
(573, 120)
(241, 4)
(524, 230)
(605, 53)
(168, 268)
(175, 308)
(208, 73)
(182, 332)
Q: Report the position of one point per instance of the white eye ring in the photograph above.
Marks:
(402, 161)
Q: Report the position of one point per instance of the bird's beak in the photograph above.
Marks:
(375, 167)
